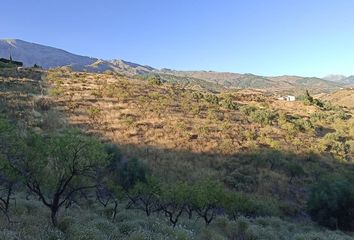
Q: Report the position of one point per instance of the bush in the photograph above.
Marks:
(294, 170)
(55, 91)
(211, 98)
(331, 203)
(242, 205)
(229, 104)
(247, 109)
(131, 172)
(155, 80)
(263, 116)
(43, 103)
(241, 180)
(303, 124)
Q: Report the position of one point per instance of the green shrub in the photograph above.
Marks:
(197, 95)
(303, 124)
(155, 80)
(247, 109)
(263, 116)
(241, 181)
(331, 203)
(238, 204)
(211, 98)
(229, 104)
(294, 170)
(55, 91)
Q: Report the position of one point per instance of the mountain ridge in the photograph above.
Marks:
(51, 57)
(348, 80)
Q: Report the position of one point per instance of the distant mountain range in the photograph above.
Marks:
(341, 79)
(49, 57)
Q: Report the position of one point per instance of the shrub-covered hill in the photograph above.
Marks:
(344, 98)
(239, 159)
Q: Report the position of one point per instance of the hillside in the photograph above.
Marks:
(180, 119)
(281, 84)
(269, 151)
(344, 98)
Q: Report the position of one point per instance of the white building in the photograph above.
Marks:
(288, 98)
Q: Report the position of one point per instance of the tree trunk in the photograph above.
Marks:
(54, 209)
(7, 201)
(53, 216)
(114, 211)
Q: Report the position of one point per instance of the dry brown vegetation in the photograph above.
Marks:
(134, 112)
(344, 98)
(182, 133)
(250, 141)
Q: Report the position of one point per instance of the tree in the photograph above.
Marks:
(146, 196)
(108, 191)
(236, 204)
(59, 165)
(174, 200)
(331, 203)
(130, 172)
(207, 199)
(117, 178)
(10, 152)
(308, 98)
(294, 170)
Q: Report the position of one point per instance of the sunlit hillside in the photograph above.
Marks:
(269, 150)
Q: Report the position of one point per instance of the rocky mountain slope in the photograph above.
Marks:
(340, 79)
(49, 57)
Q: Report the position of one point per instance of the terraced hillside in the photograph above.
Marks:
(184, 134)
(268, 150)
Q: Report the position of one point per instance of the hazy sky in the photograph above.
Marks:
(267, 37)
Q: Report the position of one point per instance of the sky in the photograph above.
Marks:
(264, 37)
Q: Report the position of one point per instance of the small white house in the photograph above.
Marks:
(288, 98)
